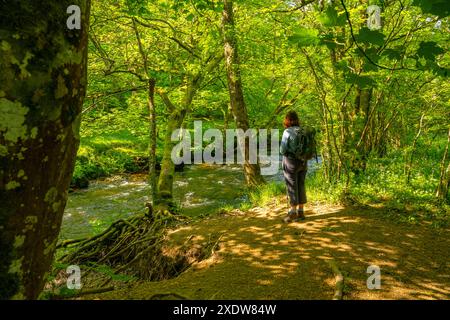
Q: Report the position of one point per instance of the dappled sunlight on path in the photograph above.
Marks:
(259, 257)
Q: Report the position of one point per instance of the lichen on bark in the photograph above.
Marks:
(12, 120)
(42, 86)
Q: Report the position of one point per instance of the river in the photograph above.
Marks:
(199, 190)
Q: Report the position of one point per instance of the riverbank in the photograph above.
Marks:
(204, 190)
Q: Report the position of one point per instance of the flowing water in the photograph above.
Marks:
(199, 190)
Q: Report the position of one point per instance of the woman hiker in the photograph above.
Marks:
(294, 169)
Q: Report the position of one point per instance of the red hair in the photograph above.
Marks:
(291, 119)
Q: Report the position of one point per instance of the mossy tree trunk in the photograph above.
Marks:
(151, 83)
(42, 87)
(152, 131)
(363, 149)
(252, 171)
(164, 194)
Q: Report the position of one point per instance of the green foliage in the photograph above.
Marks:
(440, 8)
(304, 60)
(383, 185)
(429, 50)
(266, 194)
(331, 18)
(104, 154)
(393, 54)
(304, 37)
(261, 196)
(363, 82)
(368, 36)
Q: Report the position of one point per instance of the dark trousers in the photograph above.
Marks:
(294, 175)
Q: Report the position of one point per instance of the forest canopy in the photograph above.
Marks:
(379, 92)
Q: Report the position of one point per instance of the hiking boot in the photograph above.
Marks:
(291, 217)
(300, 215)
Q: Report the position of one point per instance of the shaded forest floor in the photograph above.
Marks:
(259, 257)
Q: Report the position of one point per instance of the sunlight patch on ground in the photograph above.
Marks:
(259, 257)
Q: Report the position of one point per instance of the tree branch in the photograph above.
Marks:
(347, 14)
(166, 100)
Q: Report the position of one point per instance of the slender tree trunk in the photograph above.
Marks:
(152, 113)
(252, 171)
(164, 198)
(164, 195)
(40, 104)
(444, 179)
(327, 155)
(409, 160)
(364, 97)
(152, 144)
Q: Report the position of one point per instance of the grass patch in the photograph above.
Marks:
(383, 185)
(263, 195)
(108, 153)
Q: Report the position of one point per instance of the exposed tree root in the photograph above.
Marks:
(94, 291)
(137, 247)
(339, 280)
(166, 296)
(132, 246)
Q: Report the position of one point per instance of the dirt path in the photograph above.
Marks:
(261, 258)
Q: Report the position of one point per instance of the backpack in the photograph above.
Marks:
(303, 146)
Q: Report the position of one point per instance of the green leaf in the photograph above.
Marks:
(370, 37)
(362, 82)
(392, 54)
(368, 66)
(305, 37)
(373, 55)
(433, 67)
(443, 72)
(342, 65)
(429, 50)
(440, 8)
(331, 18)
(137, 7)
